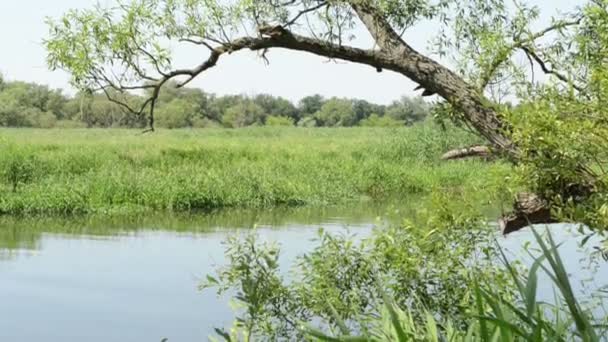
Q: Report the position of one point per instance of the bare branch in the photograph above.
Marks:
(305, 11)
(529, 52)
(270, 37)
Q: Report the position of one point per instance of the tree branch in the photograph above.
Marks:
(270, 37)
(472, 151)
(543, 66)
(520, 44)
(436, 78)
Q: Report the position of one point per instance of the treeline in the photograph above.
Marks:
(32, 105)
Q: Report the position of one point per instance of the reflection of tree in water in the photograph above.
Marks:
(23, 234)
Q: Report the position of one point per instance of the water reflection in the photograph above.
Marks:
(23, 233)
(136, 278)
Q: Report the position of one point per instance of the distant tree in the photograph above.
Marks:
(277, 106)
(40, 119)
(408, 110)
(309, 105)
(201, 103)
(104, 113)
(79, 108)
(363, 109)
(336, 112)
(420, 108)
(176, 114)
(11, 113)
(34, 105)
(245, 113)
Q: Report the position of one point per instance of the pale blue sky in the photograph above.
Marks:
(292, 75)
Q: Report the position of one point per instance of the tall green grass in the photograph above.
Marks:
(122, 171)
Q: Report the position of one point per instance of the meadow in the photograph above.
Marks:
(112, 171)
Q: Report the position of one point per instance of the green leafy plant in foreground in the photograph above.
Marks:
(499, 318)
(511, 312)
(335, 285)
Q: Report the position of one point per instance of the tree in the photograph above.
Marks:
(30, 105)
(277, 106)
(200, 103)
(11, 114)
(364, 109)
(407, 110)
(178, 113)
(336, 112)
(245, 113)
(486, 37)
(309, 105)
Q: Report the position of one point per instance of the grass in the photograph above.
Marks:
(95, 171)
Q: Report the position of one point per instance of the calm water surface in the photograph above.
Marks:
(136, 280)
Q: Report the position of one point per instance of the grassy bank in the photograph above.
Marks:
(123, 171)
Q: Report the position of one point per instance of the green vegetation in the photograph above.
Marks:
(32, 105)
(498, 317)
(109, 171)
(439, 270)
(403, 284)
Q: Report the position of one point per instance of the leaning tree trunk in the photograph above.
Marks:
(476, 109)
(393, 54)
(436, 78)
(396, 55)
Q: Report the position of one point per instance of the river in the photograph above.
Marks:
(94, 279)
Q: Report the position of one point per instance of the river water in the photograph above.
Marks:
(136, 279)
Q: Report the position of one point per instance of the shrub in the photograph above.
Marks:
(17, 168)
(67, 124)
(279, 121)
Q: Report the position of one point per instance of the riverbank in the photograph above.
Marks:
(96, 171)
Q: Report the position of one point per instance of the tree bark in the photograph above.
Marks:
(528, 209)
(473, 151)
(438, 79)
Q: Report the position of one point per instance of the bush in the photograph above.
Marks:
(381, 121)
(279, 121)
(427, 269)
(496, 316)
(67, 124)
(204, 123)
(44, 120)
(307, 122)
(17, 167)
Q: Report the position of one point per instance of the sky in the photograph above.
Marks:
(292, 75)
